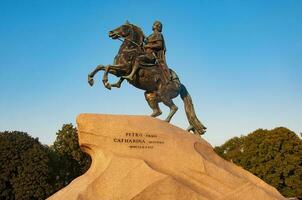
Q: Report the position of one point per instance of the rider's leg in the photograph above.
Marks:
(152, 99)
(134, 69)
(148, 58)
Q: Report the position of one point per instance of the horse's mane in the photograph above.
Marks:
(139, 36)
(138, 29)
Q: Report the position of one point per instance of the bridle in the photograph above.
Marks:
(120, 37)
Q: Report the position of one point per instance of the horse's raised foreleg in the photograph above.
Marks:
(105, 78)
(116, 70)
(118, 84)
(91, 75)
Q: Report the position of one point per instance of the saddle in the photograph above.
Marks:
(160, 62)
(161, 66)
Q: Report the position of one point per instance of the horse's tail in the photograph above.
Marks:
(195, 124)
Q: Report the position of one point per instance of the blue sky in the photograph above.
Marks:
(240, 60)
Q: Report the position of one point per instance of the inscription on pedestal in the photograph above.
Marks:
(140, 140)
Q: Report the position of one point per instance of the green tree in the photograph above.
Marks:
(231, 149)
(24, 169)
(67, 157)
(273, 155)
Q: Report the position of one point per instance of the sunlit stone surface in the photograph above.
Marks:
(142, 158)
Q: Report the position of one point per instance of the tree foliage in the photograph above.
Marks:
(24, 169)
(273, 155)
(67, 157)
(31, 171)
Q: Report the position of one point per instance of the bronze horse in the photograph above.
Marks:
(149, 77)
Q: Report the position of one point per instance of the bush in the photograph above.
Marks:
(273, 155)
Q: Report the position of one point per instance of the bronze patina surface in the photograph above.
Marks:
(142, 62)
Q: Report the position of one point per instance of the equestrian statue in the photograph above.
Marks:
(141, 61)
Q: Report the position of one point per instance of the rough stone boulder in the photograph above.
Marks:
(142, 158)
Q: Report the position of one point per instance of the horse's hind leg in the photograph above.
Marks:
(152, 99)
(173, 108)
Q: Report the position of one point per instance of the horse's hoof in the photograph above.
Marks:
(116, 85)
(203, 131)
(167, 120)
(90, 80)
(190, 128)
(108, 86)
(197, 134)
(155, 114)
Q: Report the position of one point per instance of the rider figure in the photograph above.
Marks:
(154, 51)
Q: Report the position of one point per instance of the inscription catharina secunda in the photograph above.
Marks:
(139, 140)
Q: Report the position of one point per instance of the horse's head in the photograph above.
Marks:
(128, 31)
